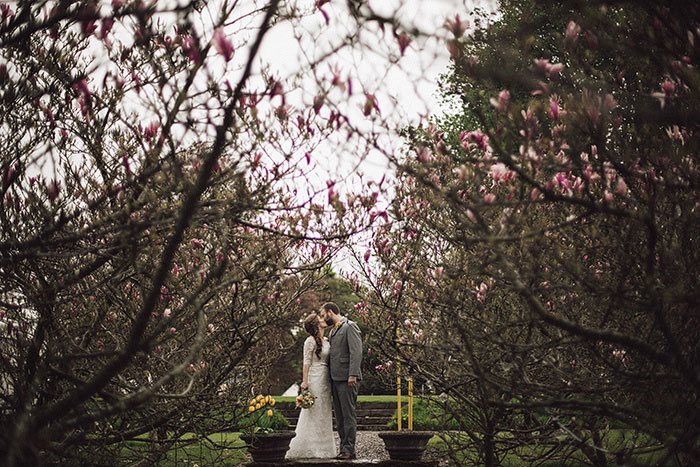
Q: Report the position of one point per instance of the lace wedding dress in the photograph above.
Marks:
(314, 430)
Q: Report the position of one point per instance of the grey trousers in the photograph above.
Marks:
(344, 404)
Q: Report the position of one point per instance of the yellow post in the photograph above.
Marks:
(410, 404)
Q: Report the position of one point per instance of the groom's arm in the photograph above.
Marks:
(355, 349)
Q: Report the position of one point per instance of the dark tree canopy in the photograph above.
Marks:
(539, 258)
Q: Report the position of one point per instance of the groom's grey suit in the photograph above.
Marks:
(344, 362)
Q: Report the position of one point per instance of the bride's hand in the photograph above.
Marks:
(304, 386)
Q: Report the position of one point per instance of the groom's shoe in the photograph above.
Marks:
(346, 456)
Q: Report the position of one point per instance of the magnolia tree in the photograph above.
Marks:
(538, 262)
(160, 218)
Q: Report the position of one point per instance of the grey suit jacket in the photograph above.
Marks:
(346, 351)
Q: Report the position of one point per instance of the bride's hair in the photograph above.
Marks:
(311, 326)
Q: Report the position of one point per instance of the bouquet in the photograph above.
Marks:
(305, 400)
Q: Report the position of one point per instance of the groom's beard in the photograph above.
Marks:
(329, 322)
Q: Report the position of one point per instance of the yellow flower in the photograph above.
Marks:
(252, 402)
(257, 406)
(272, 402)
(267, 398)
(251, 409)
(260, 397)
(269, 413)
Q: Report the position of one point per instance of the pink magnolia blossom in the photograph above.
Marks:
(471, 216)
(607, 197)
(403, 41)
(457, 27)
(107, 24)
(489, 198)
(319, 4)
(668, 88)
(6, 12)
(479, 138)
(370, 104)
(462, 172)
(53, 190)
(555, 69)
(502, 102)
(591, 40)
(437, 272)
(223, 44)
(166, 313)
(480, 292)
(151, 130)
(426, 156)
(621, 188)
(572, 32)
(9, 175)
(282, 112)
(81, 88)
(367, 255)
(553, 110)
(190, 49)
(499, 172)
(463, 140)
(197, 243)
(454, 49)
(552, 69)
(173, 331)
(318, 103)
(276, 89)
(88, 27)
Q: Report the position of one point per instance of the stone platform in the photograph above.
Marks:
(339, 463)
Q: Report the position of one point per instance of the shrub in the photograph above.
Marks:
(427, 415)
(246, 423)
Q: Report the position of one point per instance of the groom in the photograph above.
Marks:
(344, 362)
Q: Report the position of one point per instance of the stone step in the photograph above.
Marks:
(370, 415)
(360, 413)
(367, 423)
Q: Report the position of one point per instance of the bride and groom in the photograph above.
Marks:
(331, 371)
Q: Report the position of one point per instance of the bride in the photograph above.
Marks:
(314, 432)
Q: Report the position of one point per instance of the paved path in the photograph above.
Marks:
(368, 445)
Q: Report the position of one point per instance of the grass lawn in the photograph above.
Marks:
(613, 441)
(221, 449)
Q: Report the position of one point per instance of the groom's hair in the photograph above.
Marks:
(330, 306)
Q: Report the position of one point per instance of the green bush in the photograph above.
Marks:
(427, 415)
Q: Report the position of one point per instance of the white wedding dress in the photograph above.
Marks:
(314, 432)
